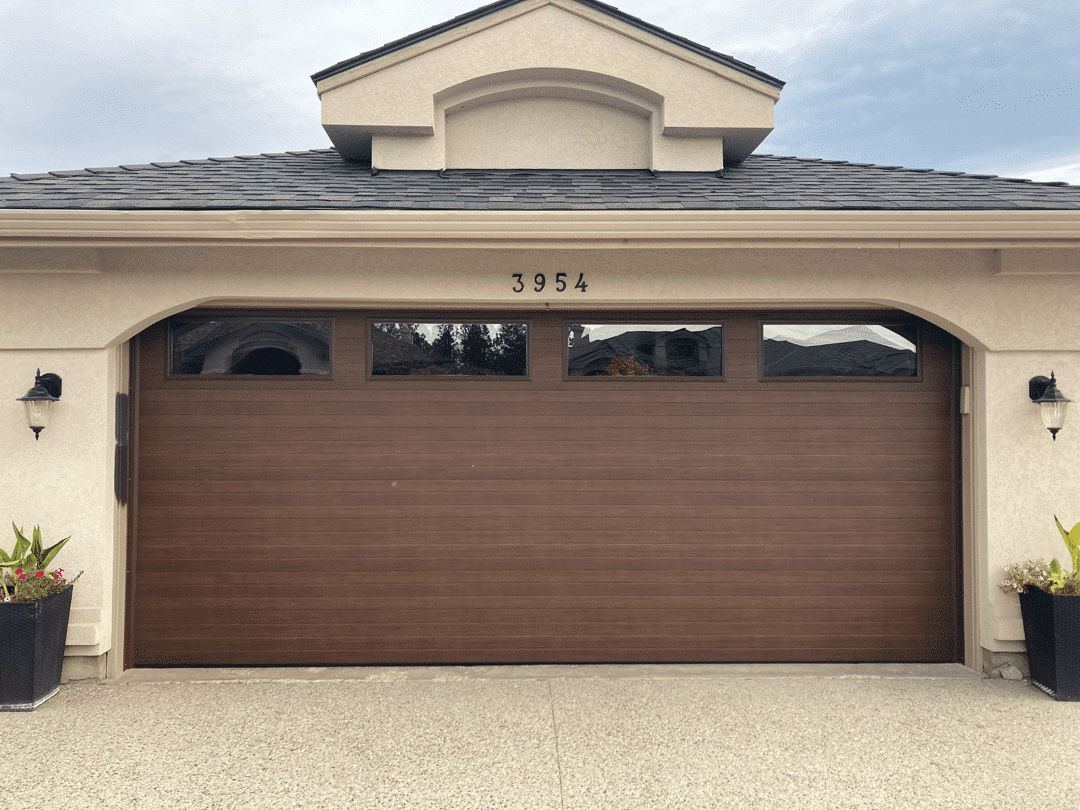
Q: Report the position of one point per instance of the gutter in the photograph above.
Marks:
(545, 229)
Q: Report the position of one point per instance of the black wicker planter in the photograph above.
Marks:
(1052, 633)
(32, 637)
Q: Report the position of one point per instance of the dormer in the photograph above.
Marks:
(546, 84)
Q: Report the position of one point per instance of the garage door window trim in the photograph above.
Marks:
(448, 348)
(644, 349)
(244, 347)
(847, 350)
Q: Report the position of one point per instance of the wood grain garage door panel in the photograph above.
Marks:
(354, 520)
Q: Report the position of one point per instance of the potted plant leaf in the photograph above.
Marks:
(34, 608)
(1050, 606)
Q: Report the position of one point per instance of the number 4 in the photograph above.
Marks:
(581, 285)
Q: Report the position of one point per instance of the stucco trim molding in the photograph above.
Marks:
(551, 229)
(1036, 263)
(50, 260)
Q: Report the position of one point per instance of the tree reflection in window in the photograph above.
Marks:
(449, 349)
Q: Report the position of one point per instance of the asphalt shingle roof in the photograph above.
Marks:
(320, 179)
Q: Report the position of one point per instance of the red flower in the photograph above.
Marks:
(22, 576)
(18, 571)
(39, 574)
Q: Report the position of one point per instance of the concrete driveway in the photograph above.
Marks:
(553, 737)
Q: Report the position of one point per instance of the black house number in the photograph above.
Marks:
(561, 282)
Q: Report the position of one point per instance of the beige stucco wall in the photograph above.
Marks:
(1029, 477)
(1019, 324)
(400, 98)
(957, 289)
(548, 133)
(63, 482)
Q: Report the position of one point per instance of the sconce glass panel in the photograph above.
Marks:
(839, 350)
(250, 347)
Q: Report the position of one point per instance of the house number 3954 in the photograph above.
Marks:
(560, 282)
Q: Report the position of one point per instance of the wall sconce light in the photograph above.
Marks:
(39, 399)
(1052, 403)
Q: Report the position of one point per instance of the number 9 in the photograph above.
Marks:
(540, 281)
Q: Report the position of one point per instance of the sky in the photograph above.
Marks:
(979, 86)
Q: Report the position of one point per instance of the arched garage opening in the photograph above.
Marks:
(739, 515)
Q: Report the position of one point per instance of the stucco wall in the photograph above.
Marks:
(398, 96)
(71, 322)
(956, 289)
(63, 482)
(1029, 477)
(546, 133)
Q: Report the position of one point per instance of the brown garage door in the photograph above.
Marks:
(310, 511)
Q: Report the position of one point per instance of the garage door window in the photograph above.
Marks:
(446, 349)
(250, 347)
(644, 350)
(838, 350)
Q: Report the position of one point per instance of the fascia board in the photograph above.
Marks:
(546, 229)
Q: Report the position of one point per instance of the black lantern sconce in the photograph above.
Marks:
(39, 400)
(1052, 403)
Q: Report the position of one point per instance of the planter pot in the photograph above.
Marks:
(1052, 635)
(32, 637)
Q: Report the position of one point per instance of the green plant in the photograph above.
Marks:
(1072, 542)
(23, 574)
(1050, 577)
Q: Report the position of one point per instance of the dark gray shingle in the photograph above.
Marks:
(320, 179)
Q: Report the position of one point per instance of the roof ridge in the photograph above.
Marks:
(884, 167)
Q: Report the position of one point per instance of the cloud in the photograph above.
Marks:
(1060, 168)
(936, 90)
(966, 85)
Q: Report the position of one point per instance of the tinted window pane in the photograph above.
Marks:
(250, 347)
(644, 350)
(449, 349)
(844, 350)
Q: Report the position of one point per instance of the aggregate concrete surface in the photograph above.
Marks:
(553, 737)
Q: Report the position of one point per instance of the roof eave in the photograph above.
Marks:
(648, 229)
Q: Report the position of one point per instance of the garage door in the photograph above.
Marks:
(343, 487)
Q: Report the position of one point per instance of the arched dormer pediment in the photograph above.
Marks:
(548, 119)
(546, 84)
(538, 82)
